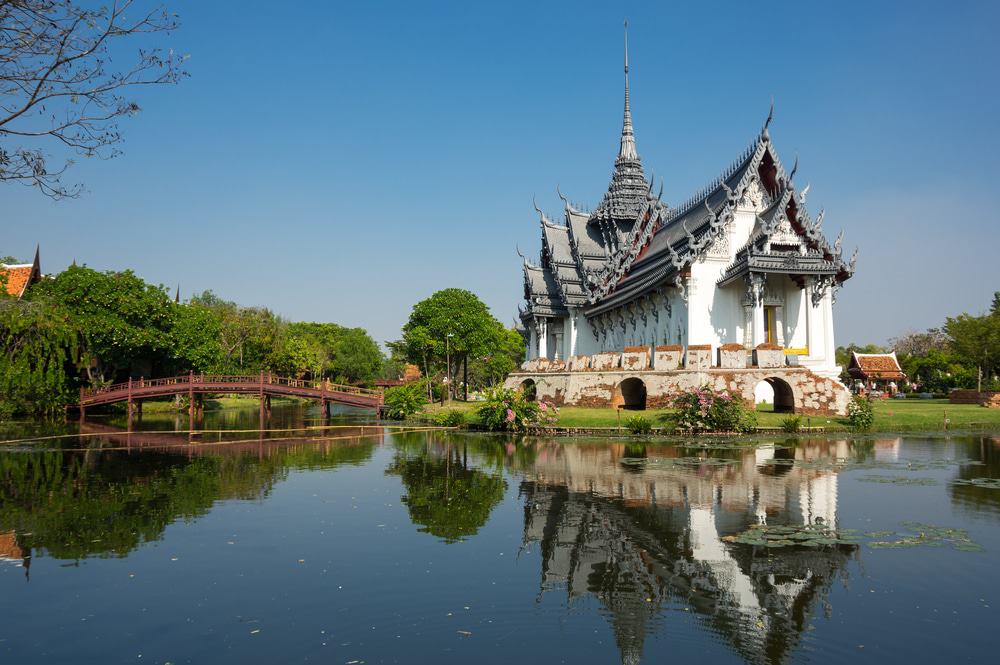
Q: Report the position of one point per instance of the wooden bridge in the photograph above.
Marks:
(263, 386)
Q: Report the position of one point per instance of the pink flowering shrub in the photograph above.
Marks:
(506, 409)
(707, 410)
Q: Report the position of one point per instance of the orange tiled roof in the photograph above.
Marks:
(8, 546)
(877, 366)
(17, 278)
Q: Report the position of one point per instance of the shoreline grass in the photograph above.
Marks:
(890, 416)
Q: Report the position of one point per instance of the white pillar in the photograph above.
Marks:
(759, 331)
(531, 351)
(572, 335)
(543, 338)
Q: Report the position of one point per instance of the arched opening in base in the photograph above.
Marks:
(630, 394)
(774, 394)
(529, 389)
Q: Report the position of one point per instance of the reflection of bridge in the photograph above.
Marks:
(262, 385)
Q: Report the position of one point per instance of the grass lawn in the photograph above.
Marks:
(890, 415)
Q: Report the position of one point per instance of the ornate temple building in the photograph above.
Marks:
(740, 265)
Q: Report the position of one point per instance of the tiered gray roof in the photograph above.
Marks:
(633, 243)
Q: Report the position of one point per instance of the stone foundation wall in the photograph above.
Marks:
(732, 356)
(699, 357)
(593, 380)
(668, 357)
(813, 394)
(635, 357)
(987, 399)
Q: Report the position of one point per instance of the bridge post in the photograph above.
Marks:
(130, 405)
(190, 400)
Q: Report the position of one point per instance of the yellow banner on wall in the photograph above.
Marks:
(801, 351)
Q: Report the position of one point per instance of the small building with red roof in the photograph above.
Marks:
(876, 370)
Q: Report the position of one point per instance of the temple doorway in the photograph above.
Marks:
(774, 394)
(630, 394)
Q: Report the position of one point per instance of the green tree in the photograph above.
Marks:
(38, 349)
(448, 498)
(249, 337)
(506, 356)
(451, 321)
(196, 339)
(348, 355)
(122, 319)
(975, 341)
(298, 357)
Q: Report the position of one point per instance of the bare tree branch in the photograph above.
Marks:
(58, 88)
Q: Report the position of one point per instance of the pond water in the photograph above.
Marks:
(363, 544)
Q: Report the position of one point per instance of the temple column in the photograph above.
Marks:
(748, 325)
(543, 338)
(810, 320)
(755, 294)
(759, 329)
(572, 335)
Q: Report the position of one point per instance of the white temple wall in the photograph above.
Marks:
(714, 314)
(740, 229)
(556, 334)
(586, 343)
(794, 323)
(822, 357)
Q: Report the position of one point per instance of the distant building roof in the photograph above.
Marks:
(20, 276)
(866, 366)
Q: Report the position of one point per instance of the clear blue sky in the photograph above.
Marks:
(340, 161)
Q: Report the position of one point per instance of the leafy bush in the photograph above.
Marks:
(506, 409)
(452, 418)
(707, 410)
(860, 413)
(638, 424)
(791, 424)
(402, 402)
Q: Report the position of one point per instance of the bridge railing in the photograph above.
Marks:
(260, 380)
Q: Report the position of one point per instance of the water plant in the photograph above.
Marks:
(806, 535)
(450, 418)
(897, 480)
(638, 424)
(988, 483)
(791, 424)
(930, 535)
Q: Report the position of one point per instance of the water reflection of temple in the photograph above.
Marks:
(640, 541)
(11, 551)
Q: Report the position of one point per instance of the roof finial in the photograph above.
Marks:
(627, 150)
(177, 294)
(770, 116)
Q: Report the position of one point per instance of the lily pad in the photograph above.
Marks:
(988, 483)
